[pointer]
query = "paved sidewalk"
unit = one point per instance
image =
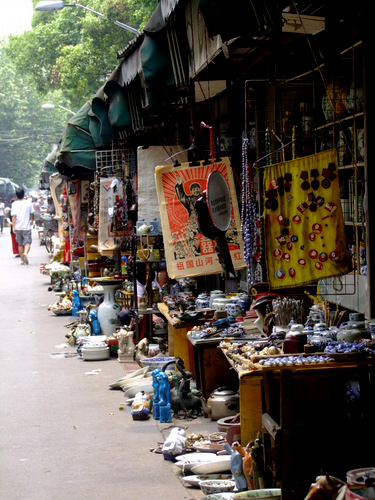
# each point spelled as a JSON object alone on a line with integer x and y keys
{"x": 62, "y": 433}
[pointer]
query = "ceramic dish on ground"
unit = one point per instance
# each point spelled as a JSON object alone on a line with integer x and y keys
{"x": 195, "y": 455}
{"x": 193, "y": 480}
{"x": 220, "y": 496}
{"x": 221, "y": 464}
{"x": 204, "y": 447}
{"x": 217, "y": 437}
{"x": 269, "y": 494}
{"x": 209, "y": 486}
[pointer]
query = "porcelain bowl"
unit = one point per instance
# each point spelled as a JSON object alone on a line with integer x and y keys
{"x": 269, "y": 494}
{"x": 210, "y": 486}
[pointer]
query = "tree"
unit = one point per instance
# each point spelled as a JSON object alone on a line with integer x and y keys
{"x": 26, "y": 131}
{"x": 74, "y": 50}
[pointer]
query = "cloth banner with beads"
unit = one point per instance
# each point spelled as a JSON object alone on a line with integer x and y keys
{"x": 189, "y": 253}
{"x": 303, "y": 222}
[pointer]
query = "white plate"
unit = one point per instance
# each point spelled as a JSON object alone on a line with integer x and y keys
{"x": 132, "y": 391}
{"x": 221, "y": 464}
{"x": 194, "y": 479}
{"x": 195, "y": 454}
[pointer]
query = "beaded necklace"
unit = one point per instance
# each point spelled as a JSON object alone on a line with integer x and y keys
{"x": 250, "y": 224}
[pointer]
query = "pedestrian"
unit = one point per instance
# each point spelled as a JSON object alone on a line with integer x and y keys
{"x": 37, "y": 213}
{"x": 2, "y": 213}
{"x": 22, "y": 219}
{"x": 12, "y": 235}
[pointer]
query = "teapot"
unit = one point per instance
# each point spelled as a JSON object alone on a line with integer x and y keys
{"x": 145, "y": 229}
{"x": 223, "y": 402}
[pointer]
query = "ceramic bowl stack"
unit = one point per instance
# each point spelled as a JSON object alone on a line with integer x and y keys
{"x": 210, "y": 486}
{"x": 95, "y": 351}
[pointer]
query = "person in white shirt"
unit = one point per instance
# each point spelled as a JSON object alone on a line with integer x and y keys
{"x": 2, "y": 208}
{"x": 22, "y": 213}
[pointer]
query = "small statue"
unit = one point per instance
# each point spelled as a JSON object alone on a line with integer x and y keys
{"x": 236, "y": 467}
{"x": 94, "y": 322}
{"x": 126, "y": 347}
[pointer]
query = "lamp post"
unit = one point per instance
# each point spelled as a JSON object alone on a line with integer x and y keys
{"x": 53, "y": 106}
{"x": 52, "y": 5}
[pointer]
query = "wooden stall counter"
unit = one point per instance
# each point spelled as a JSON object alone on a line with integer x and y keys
{"x": 177, "y": 336}
{"x": 312, "y": 411}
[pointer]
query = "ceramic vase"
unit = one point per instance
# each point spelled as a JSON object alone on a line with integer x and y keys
{"x": 108, "y": 309}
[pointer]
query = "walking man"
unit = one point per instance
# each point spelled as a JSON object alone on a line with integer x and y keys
{"x": 2, "y": 213}
{"x": 22, "y": 218}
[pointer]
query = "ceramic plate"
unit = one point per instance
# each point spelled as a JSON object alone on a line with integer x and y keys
{"x": 270, "y": 494}
{"x": 208, "y": 448}
{"x": 194, "y": 479}
{"x": 221, "y": 464}
{"x": 195, "y": 455}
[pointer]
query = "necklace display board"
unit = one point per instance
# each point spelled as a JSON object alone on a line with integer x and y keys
{"x": 303, "y": 226}
{"x": 189, "y": 253}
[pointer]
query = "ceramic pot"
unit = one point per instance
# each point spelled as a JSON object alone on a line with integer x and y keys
{"x": 216, "y": 294}
{"x": 233, "y": 309}
{"x": 245, "y": 302}
{"x": 220, "y": 304}
{"x": 203, "y": 301}
{"x": 153, "y": 350}
{"x": 154, "y": 223}
{"x": 108, "y": 309}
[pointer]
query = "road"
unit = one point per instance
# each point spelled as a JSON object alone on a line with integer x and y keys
{"x": 62, "y": 433}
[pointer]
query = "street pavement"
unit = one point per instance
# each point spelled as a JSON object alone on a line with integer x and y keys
{"x": 63, "y": 435}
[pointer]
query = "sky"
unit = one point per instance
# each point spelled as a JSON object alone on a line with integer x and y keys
{"x": 15, "y": 16}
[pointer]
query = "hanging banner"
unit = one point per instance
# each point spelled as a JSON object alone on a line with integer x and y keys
{"x": 188, "y": 253}
{"x": 111, "y": 190}
{"x": 303, "y": 225}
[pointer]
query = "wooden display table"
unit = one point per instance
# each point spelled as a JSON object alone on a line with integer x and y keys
{"x": 178, "y": 345}
{"x": 211, "y": 367}
{"x": 313, "y": 417}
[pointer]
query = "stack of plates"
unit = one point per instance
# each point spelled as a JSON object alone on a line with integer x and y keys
{"x": 96, "y": 351}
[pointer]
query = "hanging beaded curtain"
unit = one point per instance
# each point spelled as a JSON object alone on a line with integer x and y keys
{"x": 303, "y": 226}
{"x": 250, "y": 222}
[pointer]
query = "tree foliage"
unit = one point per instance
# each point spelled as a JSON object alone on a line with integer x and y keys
{"x": 26, "y": 131}
{"x": 64, "y": 60}
{"x": 74, "y": 50}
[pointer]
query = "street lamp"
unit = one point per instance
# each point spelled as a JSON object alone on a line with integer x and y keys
{"x": 53, "y": 106}
{"x": 51, "y": 5}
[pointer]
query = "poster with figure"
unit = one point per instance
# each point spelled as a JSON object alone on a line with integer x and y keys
{"x": 189, "y": 253}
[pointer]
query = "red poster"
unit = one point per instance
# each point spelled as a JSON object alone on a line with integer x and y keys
{"x": 188, "y": 253}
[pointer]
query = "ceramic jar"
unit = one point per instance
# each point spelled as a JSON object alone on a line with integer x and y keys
{"x": 234, "y": 309}
{"x": 295, "y": 340}
{"x": 220, "y": 304}
{"x": 154, "y": 224}
{"x": 216, "y": 294}
{"x": 108, "y": 309}
{"x": 245, "y": 302}
{"x": 203, "y": 301}
{"x": 153, "y": 350}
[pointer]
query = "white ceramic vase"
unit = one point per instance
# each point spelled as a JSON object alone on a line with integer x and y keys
{"x": 108, "y": 309}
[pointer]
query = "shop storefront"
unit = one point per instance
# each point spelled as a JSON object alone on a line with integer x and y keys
{"x": 234, "y": 155}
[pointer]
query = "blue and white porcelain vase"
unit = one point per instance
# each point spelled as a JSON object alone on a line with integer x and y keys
{"x": 108, "y": 309}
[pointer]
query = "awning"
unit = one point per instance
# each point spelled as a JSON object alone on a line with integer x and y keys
{"x": 76, "y": 156}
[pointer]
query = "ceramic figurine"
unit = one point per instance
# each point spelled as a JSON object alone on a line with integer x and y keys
{"x": 156, "y": 399}
{"x": 247, "y": 463}
{"x": 236, "y": 467}
{"x": 93, "y": 318}
{"x": 164, "y": 398}
{"x": 76, "y": 303}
